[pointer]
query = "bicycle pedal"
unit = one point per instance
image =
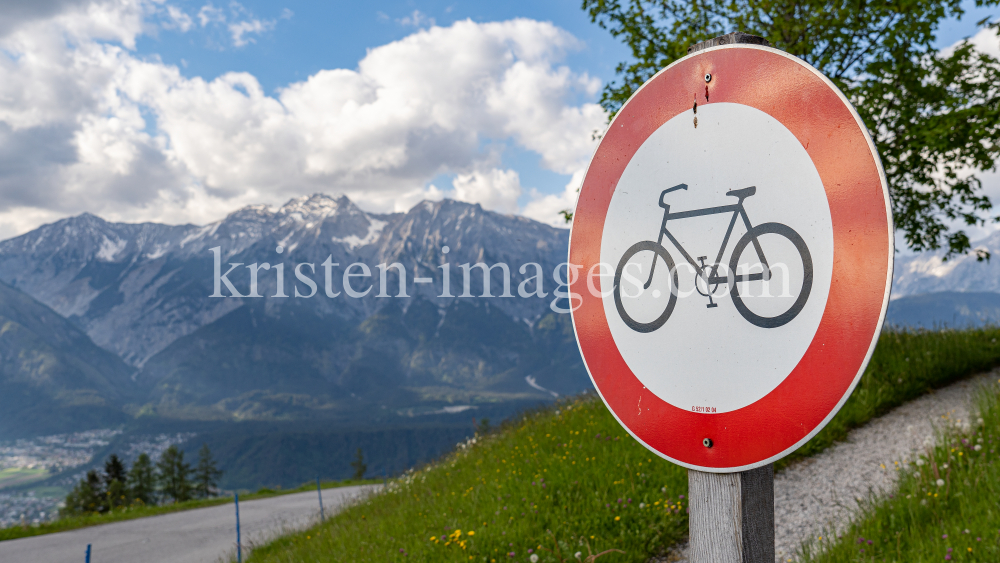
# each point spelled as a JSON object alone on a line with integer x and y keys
{"x": 710, "y": 305}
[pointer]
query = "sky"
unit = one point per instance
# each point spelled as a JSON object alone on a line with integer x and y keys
{"x": 181, "y": 111}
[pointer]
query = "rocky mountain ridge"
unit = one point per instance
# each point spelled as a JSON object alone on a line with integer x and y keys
{"x": 929, "y": 272}
{"x": 52, "y": 377}
{"x": 143, "y": 292}
{"x": 135, "y": 288}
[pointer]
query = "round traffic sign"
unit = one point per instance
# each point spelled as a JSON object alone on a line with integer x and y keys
{"x": 734, "y": 243}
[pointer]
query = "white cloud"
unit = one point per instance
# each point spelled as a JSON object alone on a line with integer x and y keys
{"x": 239, "y": 22}
{"x": 18, "y": 12}
{"x": 987, "y": 41}
{"x": 240, "y": 29}
{"x": 547, "y": 208}
{"x": 493, "y": 189}
{"x": 178, "y": 19}
{"x": 209, "y": 14}
{"x": 74, "y": 134}
{"x": 416, "y": 19}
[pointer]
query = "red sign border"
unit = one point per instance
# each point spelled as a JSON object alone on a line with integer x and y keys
{"x": 835, "y": 137}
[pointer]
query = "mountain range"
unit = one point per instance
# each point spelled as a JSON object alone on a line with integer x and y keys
{"x": 138, "y": 297}
{"x": 114, "y": 324}
{"x": 931, "y": 290}
{"x": 932, "y": 272}
{"x": 52, "y": 374}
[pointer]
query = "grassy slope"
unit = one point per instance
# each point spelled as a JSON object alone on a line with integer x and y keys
{"x": 554, "y": 479}
{"x": 495, "y": 490}
{"x": 73, "y": 522}
{"x": 956, "y": 520}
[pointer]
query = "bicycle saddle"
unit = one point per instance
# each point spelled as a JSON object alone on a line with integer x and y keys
{"x": 744, "y": 193}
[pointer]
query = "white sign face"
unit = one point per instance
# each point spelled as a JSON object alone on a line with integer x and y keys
{"x": 712, "y": 349}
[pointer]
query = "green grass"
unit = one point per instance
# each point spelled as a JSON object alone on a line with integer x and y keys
{"x": 494, "y": 488}
{"x": 50, "y": 491}
{"x": 559, "y": 480}
{"x": 19, "y": 476}
{"x": 946, "y": 507}
{"x": 907, "y": 364}
{"x": 140, "y": 511}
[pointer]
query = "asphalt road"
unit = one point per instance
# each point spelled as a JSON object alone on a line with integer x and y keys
{"x": 205, "y": 535}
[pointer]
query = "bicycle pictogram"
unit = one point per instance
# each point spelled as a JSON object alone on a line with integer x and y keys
{"x": 707, "y": 274}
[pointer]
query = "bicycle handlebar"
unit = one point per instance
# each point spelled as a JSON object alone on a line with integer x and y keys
{"x": 663, "y": 203}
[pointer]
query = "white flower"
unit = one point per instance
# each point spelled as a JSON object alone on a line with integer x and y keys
{"x": 920, "y": 462}
{"x": 533, "y": 558}
{"x": 663, "y": 490}
{"x": 578, "y": 555}
{"x": 945, "y": 466}
{"x": 979, "y": 421}
{"x": 642, "y": 505}
{"x": 928, "y": 442}
{"x": 978, "y": 447}
{"x": 940, "y": 482}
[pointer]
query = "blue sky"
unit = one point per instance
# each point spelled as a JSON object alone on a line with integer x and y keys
{"x": 184, "y": 110}
{"x": 320, "y": 35}
{"x": 324, "y": 35}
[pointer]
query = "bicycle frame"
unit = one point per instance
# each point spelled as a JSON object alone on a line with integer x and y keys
{"x": 738, "y": 211}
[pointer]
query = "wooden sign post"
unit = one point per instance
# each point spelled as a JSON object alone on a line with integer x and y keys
{"x": 734, "y": 242}
{"x": 731, "y": 516}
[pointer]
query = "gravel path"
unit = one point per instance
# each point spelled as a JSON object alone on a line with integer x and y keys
{"x": 821, "y": 493}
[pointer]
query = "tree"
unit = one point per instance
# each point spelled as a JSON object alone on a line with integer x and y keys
{"x": 115, "y": 478}
{"x": 934, "y": 114}
{"x": 142, "y": 480}
{"x": 174, "y": 475}
{"x": 87, "y": 496}
{"x": 114, "y": 470}
{"x": 206, "y": 474}
{"x": 359, "y": 465}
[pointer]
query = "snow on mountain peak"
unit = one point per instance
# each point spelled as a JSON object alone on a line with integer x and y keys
{"x": 109, "y": 249}
{"x": 317, "y": 207}
{"x": 929, "y": 272}
{"x": 353, "y": 241}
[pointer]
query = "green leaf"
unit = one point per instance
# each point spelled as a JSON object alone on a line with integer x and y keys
{"x": 934, "y": 116}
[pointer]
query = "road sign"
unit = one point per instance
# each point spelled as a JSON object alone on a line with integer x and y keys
{"x": 736, "y": 243}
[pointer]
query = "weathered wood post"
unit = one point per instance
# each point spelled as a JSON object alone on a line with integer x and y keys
{"x": 732, "y": 516}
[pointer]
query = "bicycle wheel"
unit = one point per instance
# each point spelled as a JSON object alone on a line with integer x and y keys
{"x": 799, "y": 302}
{"x": 658, "y": 250}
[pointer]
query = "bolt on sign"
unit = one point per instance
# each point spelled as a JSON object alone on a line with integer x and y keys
{"x": 736, "y": 243}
